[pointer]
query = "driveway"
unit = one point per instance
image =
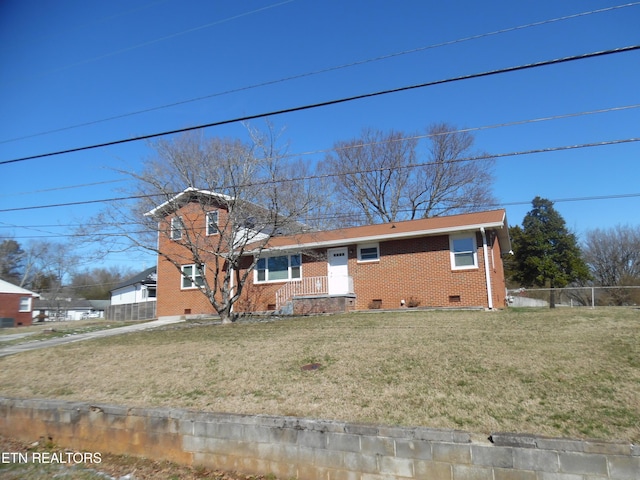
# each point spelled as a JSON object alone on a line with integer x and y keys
{"x": 53, "y": 342}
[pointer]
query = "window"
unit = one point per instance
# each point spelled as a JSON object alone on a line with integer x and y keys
{"x": 368, "y": 253}
{"x": 212, "y": 222}
{"x": 192, "y": 276}
{"x": 176, "y": 228}
{"x": 281, "y": 268}
{"x": 463, "y": 251}
{"x": 25, "y": 304}
{"x": 148, "y": 292}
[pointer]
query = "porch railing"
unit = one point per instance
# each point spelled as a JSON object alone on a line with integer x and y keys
{"x": 304, "y": 286}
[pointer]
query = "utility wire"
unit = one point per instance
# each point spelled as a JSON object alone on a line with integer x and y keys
{"x": 326, "y": 70}
{"x": 328, "y": 175}
{"x": 366, "y": 144}
{"x": 466, "y": 130}
{"x": 161, "y": 39}
{"x": 68, "y": 187}
{"x": 337, "y": 216}
{"x": 333, "y": 102}
{"x": 67, "y": 30}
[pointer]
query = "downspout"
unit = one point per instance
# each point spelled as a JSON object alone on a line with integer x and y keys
{"x": 486, "y": 267}
{"x": 231, "y": 286}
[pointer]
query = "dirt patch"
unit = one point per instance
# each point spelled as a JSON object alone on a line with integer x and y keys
{"x": 110, "y": 467}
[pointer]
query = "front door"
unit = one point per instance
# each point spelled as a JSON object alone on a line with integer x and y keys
{"x": 338, "y": 270}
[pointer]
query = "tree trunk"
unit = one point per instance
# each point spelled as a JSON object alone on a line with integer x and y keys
{"x": 226, "y": 315}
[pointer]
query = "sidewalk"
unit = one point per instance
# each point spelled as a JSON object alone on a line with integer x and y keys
{"x": 25, "y": 347}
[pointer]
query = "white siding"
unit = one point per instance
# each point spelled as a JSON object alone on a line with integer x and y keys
{"x": 130, "y": 294}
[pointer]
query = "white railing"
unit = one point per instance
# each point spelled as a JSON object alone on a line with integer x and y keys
{"x": 304, "y": 286}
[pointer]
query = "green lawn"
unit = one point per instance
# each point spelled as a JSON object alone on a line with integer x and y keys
{"x": 562, "y": 372}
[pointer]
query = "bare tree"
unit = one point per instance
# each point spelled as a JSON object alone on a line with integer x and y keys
{"x": 448, "y": 184}
{"x": 97, "y": 283}
{"x": 383, "y": 176}
{"x": 613, "y": 255}
{"x": 370, "y": 173}
{"x": 246, "y": 184}
{"x": 50, "y": 265}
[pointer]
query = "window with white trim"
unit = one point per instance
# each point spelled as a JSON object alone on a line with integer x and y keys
{"x": 279, "y": 268}
{"x": 464, "y": 251}
{"x": 25, "y": 304}
{"x": 176, "y": 228}
{"x": 212, "y": 222}
{"x": 192, "y": 276}
{"x": 369, "y": 252}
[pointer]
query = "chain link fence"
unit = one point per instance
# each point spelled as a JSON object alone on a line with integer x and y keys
{"x": 131, "y": 311}
{"x": 575, "y": 297}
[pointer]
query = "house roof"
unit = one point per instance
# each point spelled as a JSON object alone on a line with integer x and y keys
{"x": 183, "y": 198}
{"x": 147, "y": 276}
{"x": 494, "y": 220}
{"x": 71, "y": 304}
{"x": 6, "y": 287}
{"x": 191, "y": 193}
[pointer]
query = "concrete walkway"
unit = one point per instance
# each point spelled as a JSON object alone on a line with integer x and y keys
{"x": 53, "y": 342}
{"x": 15, "y": 336}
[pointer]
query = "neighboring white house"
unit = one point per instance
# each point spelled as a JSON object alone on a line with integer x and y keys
{"x": 68, "y": 309}
{"x": 135, "y": 298}
{"x": 137, "y": 289}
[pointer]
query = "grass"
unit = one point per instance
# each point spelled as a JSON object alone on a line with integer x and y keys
{"x": 562, "y": 372}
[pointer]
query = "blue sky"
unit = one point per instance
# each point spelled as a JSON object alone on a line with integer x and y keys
{"x": 73, "y": 62}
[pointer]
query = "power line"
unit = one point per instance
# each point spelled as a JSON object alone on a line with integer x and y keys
{"x": 333, "y": 102}
{"x": 351, "y": 215}
{"x": 413, "y": 137}
{"x": 327, "y": 70}
{"x": 68, "y": 187}
{"x": 66, "y": 30}
{"x": 472, "y": 129}
{"x": 328, "y": 175}
{"x": 157, "y": 40}
{"x": 81, "y": 202}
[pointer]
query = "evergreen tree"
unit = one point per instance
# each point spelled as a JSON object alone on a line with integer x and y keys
{"x": 546, "y": 253}
{"x": 11, "y": 261}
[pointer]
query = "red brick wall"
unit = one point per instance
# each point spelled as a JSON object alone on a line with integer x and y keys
{"x": 10, "y": 306}
{"x": 171, "y": 298}
{"x": 418, "y": 269}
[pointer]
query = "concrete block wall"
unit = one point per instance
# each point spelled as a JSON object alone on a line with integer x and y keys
{"x": 323, "y": 304}
{"x": 314, "y": 449}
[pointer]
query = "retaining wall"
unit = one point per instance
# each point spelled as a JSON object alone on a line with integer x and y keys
{"x": 313, "y": 449}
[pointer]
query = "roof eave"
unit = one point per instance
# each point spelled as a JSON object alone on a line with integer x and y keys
{"x": 389, "y": 236}
{"x": 170, "y": 204}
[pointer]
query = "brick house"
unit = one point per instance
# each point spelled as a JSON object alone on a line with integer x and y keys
{"x": 16, "y": 305}
{"x": 452, "y": 261}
